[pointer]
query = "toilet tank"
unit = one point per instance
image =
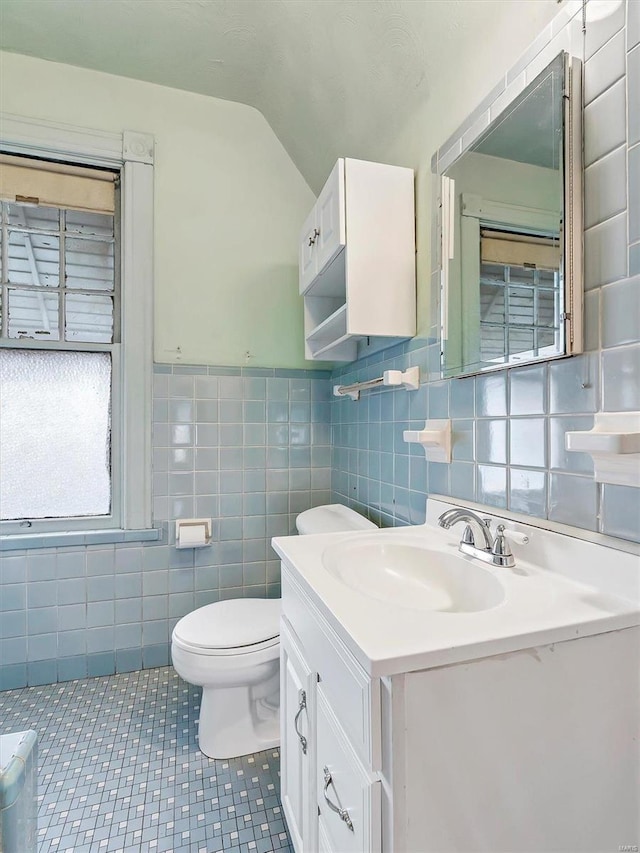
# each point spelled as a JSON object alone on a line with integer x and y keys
{"x": 331, "y": 518}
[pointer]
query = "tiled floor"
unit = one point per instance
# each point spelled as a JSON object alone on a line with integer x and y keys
{"x": 120, "y": 771}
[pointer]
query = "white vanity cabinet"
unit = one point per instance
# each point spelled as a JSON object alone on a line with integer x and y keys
{"x": 357, "y": 259}
{"x": 533, "y": 749}
{"x": 297, "y": 741}
{"x": 348, "y": 793}
{"x": 331, "y": 794}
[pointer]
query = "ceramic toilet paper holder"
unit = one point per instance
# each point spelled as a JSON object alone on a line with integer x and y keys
{"x": 193, "y": 532}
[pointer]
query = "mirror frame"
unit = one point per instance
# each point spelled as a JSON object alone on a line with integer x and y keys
{"x": 572, "y": 222}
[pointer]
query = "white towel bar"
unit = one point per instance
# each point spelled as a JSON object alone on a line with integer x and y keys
{"x": 409, "y": 379}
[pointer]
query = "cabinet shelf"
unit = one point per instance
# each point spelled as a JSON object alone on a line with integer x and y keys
{"x": 334, "y": 327}
{"x": 332, "y": 281}
{"x": 343, "y": 348}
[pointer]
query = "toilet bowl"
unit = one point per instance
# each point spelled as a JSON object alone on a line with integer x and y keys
{"x": 232, "y": 650}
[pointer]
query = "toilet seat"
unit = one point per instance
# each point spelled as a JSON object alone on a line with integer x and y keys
{"x": 235, "y": 651}
{"x": 236, "y": 627}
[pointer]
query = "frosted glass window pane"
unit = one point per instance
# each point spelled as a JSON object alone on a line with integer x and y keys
{"x": 546, "y": 308}
{"x": 521, "y": 306}
{"x": 54, "y": 434}
{"x": 33, "y": 259}
{"x": 546, "y": 338}
{"x": 31, "y": 216}
{"x": 89, "y": 223}
{"x": 520, "y": 340}
{"x": 89, "y": 263}
{"x": 491, "y": 302}
{"x": 89, "y": 317}
{"x": 33, "y": 314}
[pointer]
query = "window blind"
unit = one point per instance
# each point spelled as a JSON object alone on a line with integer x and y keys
{"x": 522, "y": 250}
{"x": 56, "y": 184}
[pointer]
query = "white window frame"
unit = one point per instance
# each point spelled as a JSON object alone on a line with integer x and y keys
{"x": 131, "y": 153}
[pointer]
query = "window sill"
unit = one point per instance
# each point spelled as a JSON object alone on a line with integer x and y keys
{"x": 20, "y": 542}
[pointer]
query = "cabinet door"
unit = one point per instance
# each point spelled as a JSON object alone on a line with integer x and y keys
{"x": 297, "y": 743}
{"x": 325, "y": 845}
{"x": 349, "y": 798}
{"x": 307, "y": 251}
{"x": 330, "y": 209}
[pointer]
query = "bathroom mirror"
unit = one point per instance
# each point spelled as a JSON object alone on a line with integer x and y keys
{"x": 511, "y": 232}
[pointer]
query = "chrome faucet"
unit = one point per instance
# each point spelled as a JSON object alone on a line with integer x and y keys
{"x": 495, "y": 551}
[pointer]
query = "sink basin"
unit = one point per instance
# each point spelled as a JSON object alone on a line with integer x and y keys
{"x": 407, "y": 574}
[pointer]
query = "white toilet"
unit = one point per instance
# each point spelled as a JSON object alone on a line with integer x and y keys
{"x": 232, "y": 650}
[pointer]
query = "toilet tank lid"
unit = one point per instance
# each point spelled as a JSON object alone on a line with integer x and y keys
{"x": 332, "y": 518}
{"x": 231, "y": 624}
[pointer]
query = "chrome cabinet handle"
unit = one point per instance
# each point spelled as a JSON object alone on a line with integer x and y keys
{"x": 301, "y": 707}
{"x": 342, "y": 813}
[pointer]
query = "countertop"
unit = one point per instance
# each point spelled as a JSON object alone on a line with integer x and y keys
{"x": 561, "y": 588}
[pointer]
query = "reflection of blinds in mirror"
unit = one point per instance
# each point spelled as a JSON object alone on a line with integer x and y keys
{"x": 522, "y": 250}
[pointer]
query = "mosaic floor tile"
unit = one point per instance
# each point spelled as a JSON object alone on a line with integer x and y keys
{"x": 120, "y": 771}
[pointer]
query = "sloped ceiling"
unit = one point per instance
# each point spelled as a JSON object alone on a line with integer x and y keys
{"x": 328, "y": 75}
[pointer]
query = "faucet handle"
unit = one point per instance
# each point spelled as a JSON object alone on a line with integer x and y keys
{"x": 487, "y": 521}
{"x": 467, "y": 536}
{"x": 501, "y": 547}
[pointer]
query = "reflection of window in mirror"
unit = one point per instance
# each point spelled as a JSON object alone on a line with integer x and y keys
{"x": 520, "y": 296}
{"x": 511, "y": 219}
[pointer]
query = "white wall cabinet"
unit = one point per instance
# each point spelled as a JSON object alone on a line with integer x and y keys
{"x": 502, "y": 754}
{"x": 357, "y": 260}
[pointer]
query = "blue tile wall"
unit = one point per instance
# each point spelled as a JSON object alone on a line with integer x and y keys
{"x": 509, "y": 427}
{"x": 248, "y": 448}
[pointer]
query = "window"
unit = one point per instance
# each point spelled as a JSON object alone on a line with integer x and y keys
{"x": 58, "y": 285}
{"x": 75, "y": 318}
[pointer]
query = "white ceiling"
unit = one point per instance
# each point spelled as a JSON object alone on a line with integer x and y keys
{"x": 328, "y": 75}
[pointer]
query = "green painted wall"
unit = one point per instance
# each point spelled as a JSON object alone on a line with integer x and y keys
{"x": 229, "y": 203}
